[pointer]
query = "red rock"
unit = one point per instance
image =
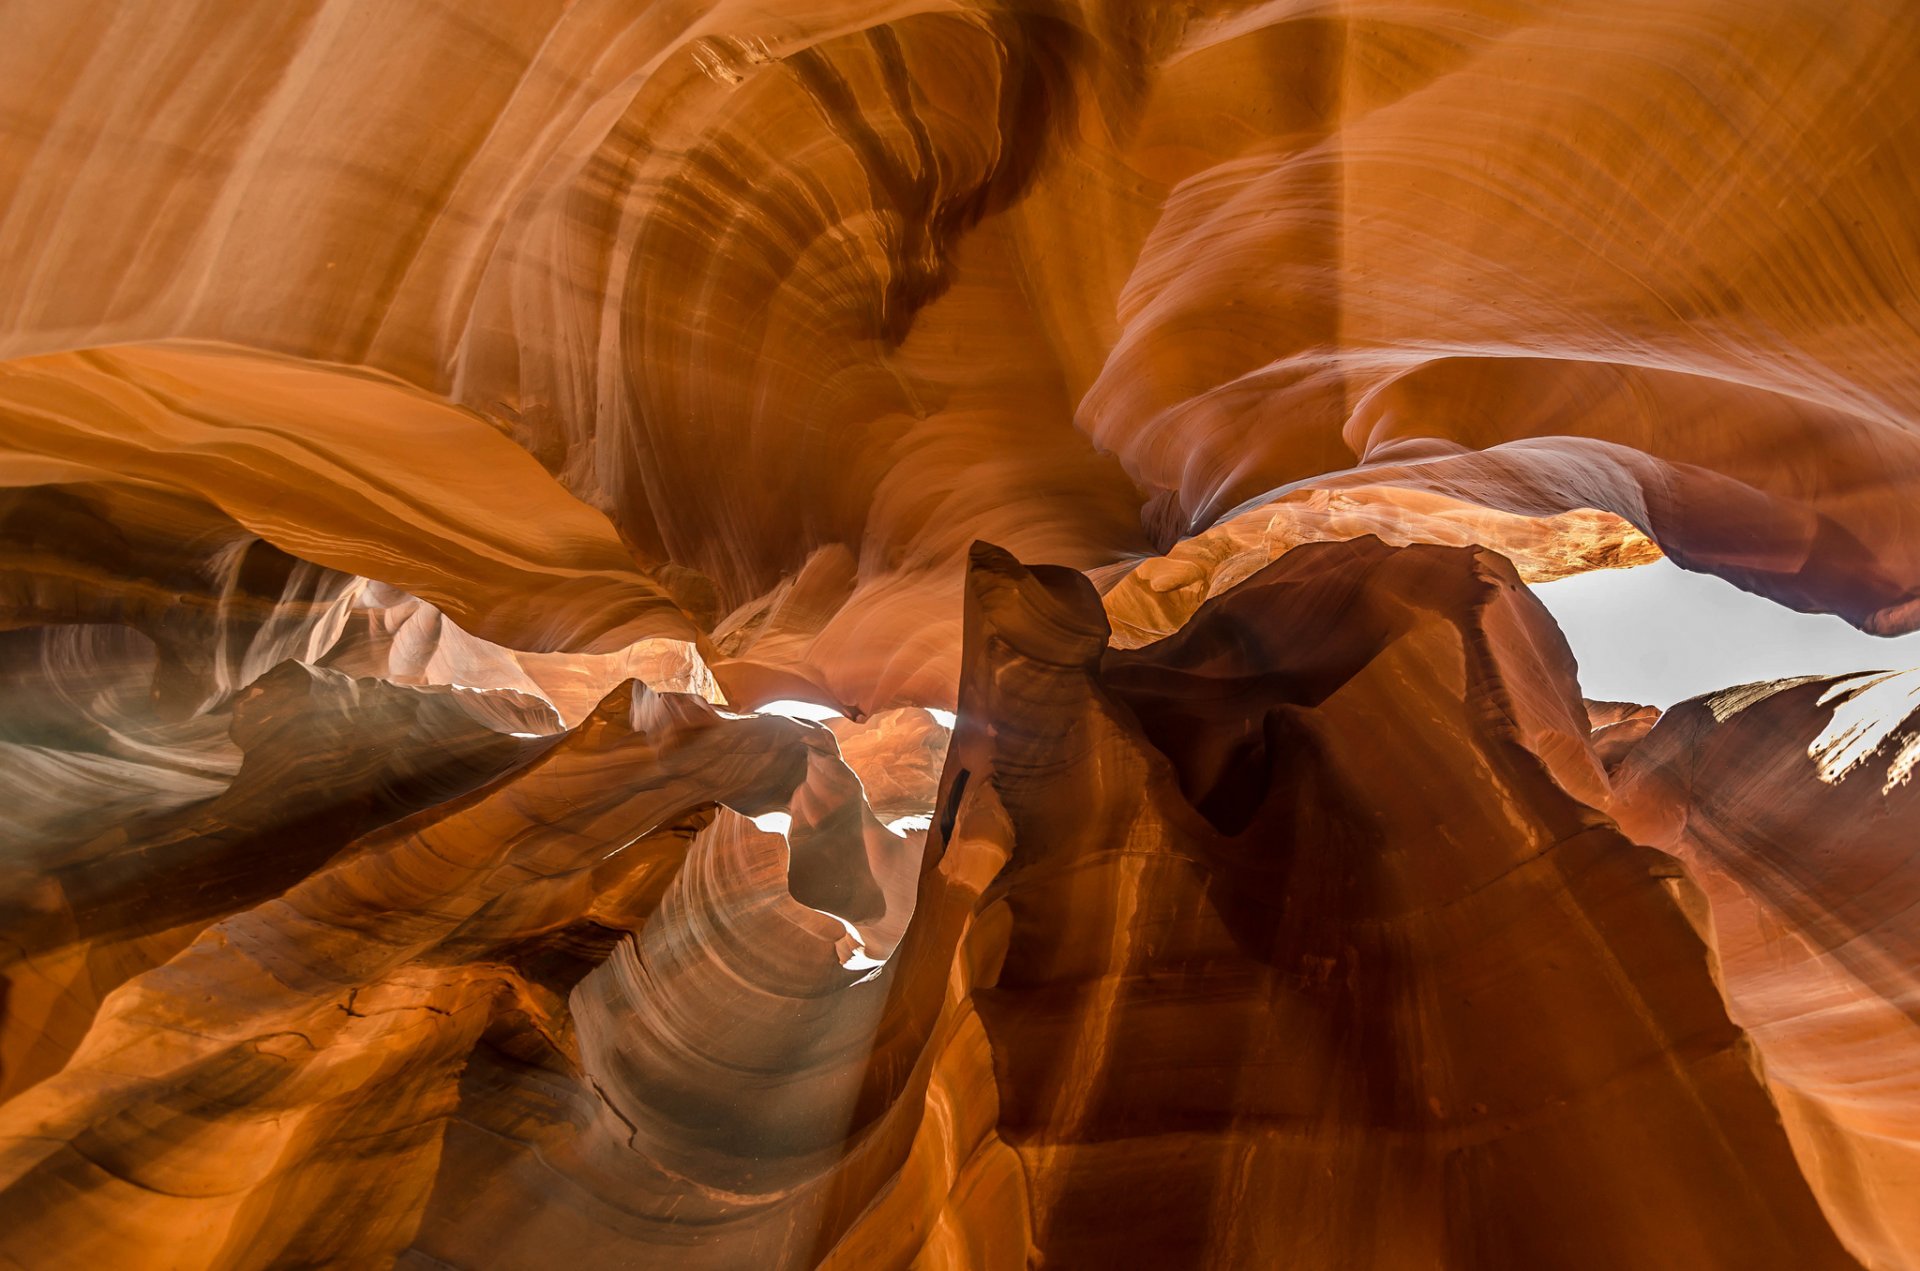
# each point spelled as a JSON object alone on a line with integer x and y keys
{"x": 425, "y": 431}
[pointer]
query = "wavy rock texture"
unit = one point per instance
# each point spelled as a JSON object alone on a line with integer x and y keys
{"x": 1791, "y": 806}
{"x": 427, "y": 431}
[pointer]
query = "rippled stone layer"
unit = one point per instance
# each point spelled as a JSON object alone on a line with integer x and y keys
{"x": 427, "y": 431}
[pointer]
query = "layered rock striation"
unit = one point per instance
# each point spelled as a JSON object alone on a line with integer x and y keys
{"x": 429, "y": 433}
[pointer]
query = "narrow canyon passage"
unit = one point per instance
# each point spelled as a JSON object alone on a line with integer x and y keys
{"x": 964, "y": 635}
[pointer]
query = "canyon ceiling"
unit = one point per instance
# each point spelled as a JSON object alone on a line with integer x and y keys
{"x": 429, "y": 430}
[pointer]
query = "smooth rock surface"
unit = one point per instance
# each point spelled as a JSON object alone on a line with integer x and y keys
{"x": 428, "y": 432}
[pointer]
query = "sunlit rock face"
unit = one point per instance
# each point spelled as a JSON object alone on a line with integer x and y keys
{"x": 429, "y": 432}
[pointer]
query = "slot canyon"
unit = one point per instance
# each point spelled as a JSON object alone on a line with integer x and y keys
{"x": 756, "y": 635}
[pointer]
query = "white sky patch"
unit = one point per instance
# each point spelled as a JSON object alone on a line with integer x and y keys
{"x": 1659, "y": 635}
{"x": 773, "y": 822}
{"x": 1866, "y": 713}
{"x": 856, "y": 957}
{"x": 946, "y": 719}
{"x": 1900, "y": 771}
{"x": 901, "y": 824}
{"x": 793, "y": 709}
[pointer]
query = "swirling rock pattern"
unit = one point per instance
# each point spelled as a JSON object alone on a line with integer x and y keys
{"x": 428, "y": 430}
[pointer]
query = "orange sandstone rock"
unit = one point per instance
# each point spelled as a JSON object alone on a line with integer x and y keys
{"x": 428, "y": 431}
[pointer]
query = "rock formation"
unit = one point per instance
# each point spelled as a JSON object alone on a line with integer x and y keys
{"x": 429, "y": 432}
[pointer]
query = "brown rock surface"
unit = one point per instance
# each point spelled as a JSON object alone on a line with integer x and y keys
{"x": 1791, "y": 805}
{"x": 426, "y": 429}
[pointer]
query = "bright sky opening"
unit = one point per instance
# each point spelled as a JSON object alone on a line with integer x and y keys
{"x": 1659, "y": 635}
{"x": 799, "y": 710}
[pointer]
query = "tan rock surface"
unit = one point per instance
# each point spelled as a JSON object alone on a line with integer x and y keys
{"x": 428, "y": 430}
